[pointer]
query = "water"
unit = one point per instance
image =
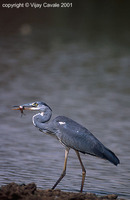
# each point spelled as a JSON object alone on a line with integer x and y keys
{"x": 85, "y": 83}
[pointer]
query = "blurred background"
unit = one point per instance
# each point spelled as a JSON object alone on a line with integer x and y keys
{"x": 77, "y": 60}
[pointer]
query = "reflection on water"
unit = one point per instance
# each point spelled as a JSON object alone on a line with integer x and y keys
{"x": 87, "y": 84}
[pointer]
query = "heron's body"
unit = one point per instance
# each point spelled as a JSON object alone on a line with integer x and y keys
{"x": 75, "y": 136}
{"x": 71, "y": 135}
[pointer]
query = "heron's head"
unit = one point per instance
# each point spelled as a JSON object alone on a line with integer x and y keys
{"x": 35, "y": 106}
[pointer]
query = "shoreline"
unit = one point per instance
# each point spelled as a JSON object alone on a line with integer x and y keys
{"x": 14, "y": 191}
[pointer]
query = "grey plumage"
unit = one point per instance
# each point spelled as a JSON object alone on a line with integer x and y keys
{"x": 70, "y": 134}
{"x": 77, "y": 137}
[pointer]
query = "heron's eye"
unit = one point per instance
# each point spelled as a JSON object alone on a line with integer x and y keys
{"x": 35, "y": 104}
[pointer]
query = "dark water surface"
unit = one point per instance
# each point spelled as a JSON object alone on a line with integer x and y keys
{"x": 88, "y": 84}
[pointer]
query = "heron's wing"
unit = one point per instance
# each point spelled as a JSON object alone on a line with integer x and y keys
{"x": 74, "y": 135}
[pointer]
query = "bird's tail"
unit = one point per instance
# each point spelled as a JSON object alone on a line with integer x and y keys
{"x": 109, "y": 155}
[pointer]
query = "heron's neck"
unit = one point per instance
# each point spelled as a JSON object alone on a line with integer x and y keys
{"x": 46, "y": 115}
{"x": 40, "y": 118}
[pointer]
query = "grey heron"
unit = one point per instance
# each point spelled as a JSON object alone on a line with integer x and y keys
{"x": 70, "y": 134}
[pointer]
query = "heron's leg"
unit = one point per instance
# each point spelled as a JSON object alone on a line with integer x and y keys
{"x": 83, "y": 171}
{"x": 64, "y": 169}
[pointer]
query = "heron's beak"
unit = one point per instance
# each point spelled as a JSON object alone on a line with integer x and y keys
{"x": 25, "y": 107}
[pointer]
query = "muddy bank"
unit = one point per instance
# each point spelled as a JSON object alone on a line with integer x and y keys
{"x": 14, "y": 191}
